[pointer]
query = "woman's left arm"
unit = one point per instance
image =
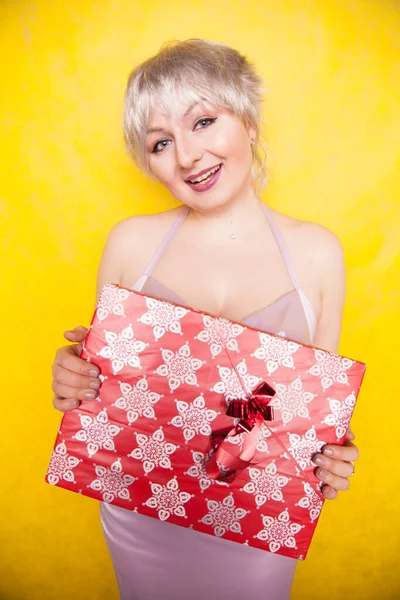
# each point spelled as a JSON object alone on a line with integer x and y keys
{"x": 334, "y": 463}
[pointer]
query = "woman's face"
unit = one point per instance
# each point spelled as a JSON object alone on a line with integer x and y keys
{"x": 207, "y": 143}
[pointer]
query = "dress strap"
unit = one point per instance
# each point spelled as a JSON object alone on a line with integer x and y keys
{"x": 287, "y": 259}
{"x": 167, "y": 239}
{"x": 306, "y": 304}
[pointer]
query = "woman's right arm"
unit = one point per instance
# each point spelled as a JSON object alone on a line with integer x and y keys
{"x": 74, "y": 379}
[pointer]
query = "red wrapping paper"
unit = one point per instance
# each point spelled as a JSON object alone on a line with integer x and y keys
{"x": 159, "y": 427}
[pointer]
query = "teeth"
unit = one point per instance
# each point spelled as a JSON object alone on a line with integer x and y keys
{"x": 205, "y": 176}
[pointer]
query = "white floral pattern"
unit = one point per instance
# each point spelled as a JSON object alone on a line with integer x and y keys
{"x": 97, "y": 432}
{"x": 276, "y": 352}
{"x": 122, "y": 349}
{"x": 266, "y": 484}
{"x": 279, "y": 531}
{"x": 194, "y": 418}
{"x": 112, "y": 482}
{"x": 330, "y": 368}
{"x": 231, "y": 386}
{"x": 137, "y": 400}
{"x": 224, "y": 469}
{"x": 340, "y": 414}
{"x": 179, "y": 367}
{"x": 199, "y": 471}
{"x": 302, "y": 448}
{"x": 219, "y": 333}
{"x": 311, "y": 501}
{"x": 111, "y": 301}
{"x": 265, "y": 433}
{"x": 238, "y": 439}
{"x": 61, "y": 465}
{"x": 168, "y": 500}
{"x": 224, "y": 516}
{"x": 153, "y": 451}
{"x": 163, "y": 317}
{"x": 291, "y": 400}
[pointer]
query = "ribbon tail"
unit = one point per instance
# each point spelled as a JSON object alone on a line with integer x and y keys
{"x": 228, "y": 460}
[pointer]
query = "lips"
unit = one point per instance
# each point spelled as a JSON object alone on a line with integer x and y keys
{"x": 192, "y": 178}
{"x": 207, "y": 183}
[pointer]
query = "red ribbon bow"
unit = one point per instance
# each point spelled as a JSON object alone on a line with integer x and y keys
{"x": 225, "y": 464}
{"x": 256, "y": 406}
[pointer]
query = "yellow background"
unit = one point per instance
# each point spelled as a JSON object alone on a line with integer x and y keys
{"x": 332, "y": 72}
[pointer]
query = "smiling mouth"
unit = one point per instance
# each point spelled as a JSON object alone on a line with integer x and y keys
{"x": 206, "y": 176}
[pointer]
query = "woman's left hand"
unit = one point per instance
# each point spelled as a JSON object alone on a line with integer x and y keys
{"x": 335, "y": 466}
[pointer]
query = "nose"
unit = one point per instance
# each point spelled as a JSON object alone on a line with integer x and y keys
{"x": 188, "y": 152}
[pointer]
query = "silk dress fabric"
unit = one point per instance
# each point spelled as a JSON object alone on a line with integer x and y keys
{"x": 158, "y": 560}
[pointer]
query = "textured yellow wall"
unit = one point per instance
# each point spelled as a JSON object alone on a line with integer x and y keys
{"x": 332, "y": 70}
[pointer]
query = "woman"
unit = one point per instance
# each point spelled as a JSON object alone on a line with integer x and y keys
{"x": 192, "y": 122}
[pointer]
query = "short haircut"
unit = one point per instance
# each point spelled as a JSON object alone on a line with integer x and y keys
{"x": 189, "y": 71}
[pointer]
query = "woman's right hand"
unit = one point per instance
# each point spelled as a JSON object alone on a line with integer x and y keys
{"x": 74, "y": 378}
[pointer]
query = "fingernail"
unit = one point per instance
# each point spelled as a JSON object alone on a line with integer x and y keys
{"x": 93, "y": 373}
{"x": 322, "y": 474}
{"x": 90, "y": 395}
{"x": 74, "y": 404}
{"x": 319, "y": 460}
{"x": 329, "y": 493}
{"x": 95, "y": 384}
{"x": 328, "y": 451}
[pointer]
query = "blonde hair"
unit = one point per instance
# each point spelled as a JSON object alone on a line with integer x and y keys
{"x": 186, "y": 72}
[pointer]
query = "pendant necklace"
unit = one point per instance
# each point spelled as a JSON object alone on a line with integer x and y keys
{"x": 233, "y": 235}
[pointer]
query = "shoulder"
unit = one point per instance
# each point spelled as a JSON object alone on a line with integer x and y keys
{"x": 315, "y": 244}
{"x": 139, "y": 235}
{"x": 137, "y": 228}
{"x": 131, "y": 243}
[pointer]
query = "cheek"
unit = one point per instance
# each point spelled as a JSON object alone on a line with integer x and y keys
{"x": 233, "y": 145}
{"x": 162, "y": 169}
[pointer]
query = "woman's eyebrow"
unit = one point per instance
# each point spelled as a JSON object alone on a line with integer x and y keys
{"x": 154, "y": 129}
{"x": 191, "y": 107}
{"x": 187, "y": 112}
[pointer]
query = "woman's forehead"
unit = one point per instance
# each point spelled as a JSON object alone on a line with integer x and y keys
{"x": 183, "y": 110}
{"x": 180, "y": 109}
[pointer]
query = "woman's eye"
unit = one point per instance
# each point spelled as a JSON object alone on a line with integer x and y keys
{"x": 158, "y": 146}
{"x": 205, "y": 122}
{"x": 200, "y": 124}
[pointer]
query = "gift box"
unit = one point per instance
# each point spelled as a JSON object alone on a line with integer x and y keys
{"x": 204, "y": 422}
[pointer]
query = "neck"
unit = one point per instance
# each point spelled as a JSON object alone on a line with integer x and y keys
{"x": 239, "y": 216}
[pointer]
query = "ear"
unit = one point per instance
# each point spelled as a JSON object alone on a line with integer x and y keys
{"x": 252, "y": 133}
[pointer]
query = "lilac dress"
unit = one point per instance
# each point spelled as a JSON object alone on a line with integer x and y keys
{"x": 157, "y": 560}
